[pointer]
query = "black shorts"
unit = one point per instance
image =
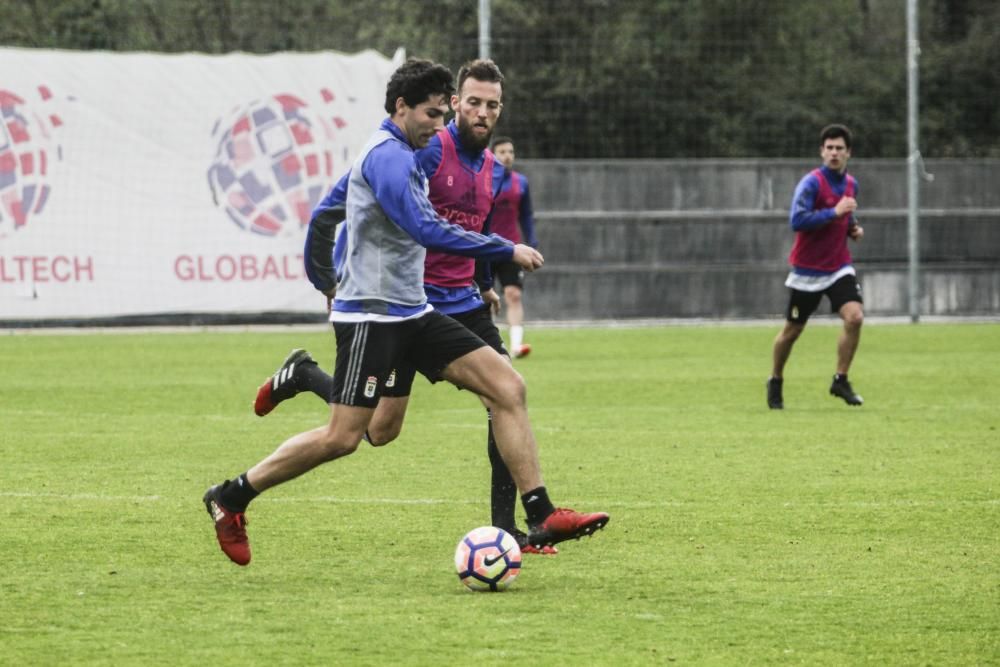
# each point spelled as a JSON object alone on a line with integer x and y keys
{"x": 802, "y": 304}
{"x": 368, "y": 352}
{"x": 508, "y": 274}
{"x": 478, "y": 321}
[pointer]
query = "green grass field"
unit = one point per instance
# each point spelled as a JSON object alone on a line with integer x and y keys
{"x": 820, "y": 535}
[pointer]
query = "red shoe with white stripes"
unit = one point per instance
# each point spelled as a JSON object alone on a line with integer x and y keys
{"x": 230, "y": 527}
{"x": 280, "y": 386}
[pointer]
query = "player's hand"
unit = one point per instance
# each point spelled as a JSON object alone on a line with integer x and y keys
{"x": 491, "y": 299}
{"x": 330, "y": 294}
{"x": 527, "y": 257}
{"x": 856, "y": 232}
{"x": 845, "y": 205}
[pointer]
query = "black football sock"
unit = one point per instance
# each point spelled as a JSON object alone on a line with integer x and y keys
{"x": 237, "y": 494}
{"x": 537, "y": 505}
{"x": 503, "y": 490}
{"x": 310, "y": 377}
{"x": 838, "y": 377}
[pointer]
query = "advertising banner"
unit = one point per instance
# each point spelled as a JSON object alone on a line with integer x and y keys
{"x": 140, "y": 183}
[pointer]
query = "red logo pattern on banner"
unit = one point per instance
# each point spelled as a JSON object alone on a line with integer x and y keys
{"x": 274, "y": 161}
{"x": 27, "y": 150}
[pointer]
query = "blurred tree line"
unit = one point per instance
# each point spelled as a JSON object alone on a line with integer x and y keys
{"x": 619, "y": 78}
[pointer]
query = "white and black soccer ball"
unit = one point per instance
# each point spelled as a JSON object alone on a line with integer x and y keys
{"x": 487, "y": 559}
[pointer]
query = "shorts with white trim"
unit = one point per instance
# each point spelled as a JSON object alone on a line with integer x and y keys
{"x": 479, "y": 321}
{"x": 802, "y": 304}
{"x": 368, "y": 352}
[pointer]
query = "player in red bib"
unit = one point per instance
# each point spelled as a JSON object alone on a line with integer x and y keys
{"x": 822, "y": 216}
{"x": 513, "y": 219}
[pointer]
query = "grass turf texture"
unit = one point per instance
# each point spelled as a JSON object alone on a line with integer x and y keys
{"x": 818, "y": 535}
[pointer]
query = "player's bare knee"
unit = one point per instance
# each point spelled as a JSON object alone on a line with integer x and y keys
{"x": 336, "y": 445}
{"x": 854, "y": 319}
{"x": 381, "y": 436}
{"x": 791, "y": 332}
{"x": 510, "y": 390}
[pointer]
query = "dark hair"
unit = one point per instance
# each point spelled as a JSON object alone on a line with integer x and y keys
{"x": 416, "y": 81}
{"x": 835, "y": 132}
{"x": 500, "y": 140}
{"x": 480, "y": 70}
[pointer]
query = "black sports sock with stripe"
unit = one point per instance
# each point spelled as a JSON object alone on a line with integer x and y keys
{"x": 537, "y": 505}
{"x": 503, "y": 490}
{"x": 237, "y": 494}
{"x": 310, "y": 377}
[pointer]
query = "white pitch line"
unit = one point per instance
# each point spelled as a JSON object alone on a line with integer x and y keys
{"x": 79, "y": 496}
{"x": 375, "y": 501}
{"x": 32, "y": 495}
{"x": 635, "y": 505}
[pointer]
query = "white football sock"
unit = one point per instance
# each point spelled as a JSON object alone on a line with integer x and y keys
{"x": 516, "y": 336}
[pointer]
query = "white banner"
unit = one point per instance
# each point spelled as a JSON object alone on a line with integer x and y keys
{"x": 139, "y": 183}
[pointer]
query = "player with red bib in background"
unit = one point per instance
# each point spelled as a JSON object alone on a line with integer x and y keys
{"x": 822, "y": 216}
{"x": 513, "y": 219}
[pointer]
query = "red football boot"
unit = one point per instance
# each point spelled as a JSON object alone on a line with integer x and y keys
{"x": 526, "y": 548}
{"x": 280, "y": 386}
{"x": 544, "y": 550}
{"x": 565, "y": 524}
{"x": 230, "y": 527}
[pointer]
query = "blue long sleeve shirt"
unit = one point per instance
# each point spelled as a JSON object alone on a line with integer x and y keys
{"x": 332, "y": 210}
{"x": 802, "y": 215}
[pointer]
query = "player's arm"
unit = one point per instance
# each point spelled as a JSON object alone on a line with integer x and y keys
{"x": 484, "y": 268}
{"x": 318, "y": 254}
{"x": 526, "y": 215}
{"x": 483, "y": 275}
{"x": 399, "y": 187}
{"x": 491, "y": 299}
{"x": 854, "y": 229}
{"x": 801, "y": 215}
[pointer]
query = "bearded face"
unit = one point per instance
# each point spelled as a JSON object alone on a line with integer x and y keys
{"x": 475, "y": 136}
{"x": 477, "y": 109}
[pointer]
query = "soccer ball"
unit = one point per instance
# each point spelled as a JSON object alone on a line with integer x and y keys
{"x": 488, "y": 559}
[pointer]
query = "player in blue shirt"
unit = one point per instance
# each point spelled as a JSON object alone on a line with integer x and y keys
{"x": 822, "y": 215}
{"x": 382, "y": 320}
{"x": 464, "y": 181}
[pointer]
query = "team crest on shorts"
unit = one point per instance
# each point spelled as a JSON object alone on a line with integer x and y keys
{"x": 370, "y": 386}
{"x": 391, "y": 382}
{"x": 795, "y": 312}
